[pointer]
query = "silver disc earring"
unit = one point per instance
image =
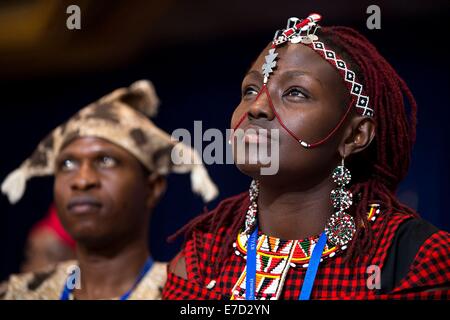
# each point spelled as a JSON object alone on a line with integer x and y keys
{"x": 340, "y": 227}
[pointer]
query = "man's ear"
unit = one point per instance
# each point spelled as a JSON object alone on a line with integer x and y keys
{"x": 358, "y": 136}
{"x": 157, "y": 185}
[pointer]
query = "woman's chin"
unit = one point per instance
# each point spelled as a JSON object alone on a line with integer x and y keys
{"x": 254, "y": 171}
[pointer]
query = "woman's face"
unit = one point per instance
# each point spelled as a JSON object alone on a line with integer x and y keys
{"x": 310, "y": 97}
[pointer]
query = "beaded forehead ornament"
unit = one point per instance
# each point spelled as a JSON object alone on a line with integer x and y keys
{"x": 303, "y": 31}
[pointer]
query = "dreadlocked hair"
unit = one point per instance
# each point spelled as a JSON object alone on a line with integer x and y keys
{"x": 377, "y": 171}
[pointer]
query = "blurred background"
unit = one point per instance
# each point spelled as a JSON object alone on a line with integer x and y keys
{"x": 196, "y": 53}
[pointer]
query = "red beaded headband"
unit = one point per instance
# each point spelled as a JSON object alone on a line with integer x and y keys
{"x": 303, "y": 31}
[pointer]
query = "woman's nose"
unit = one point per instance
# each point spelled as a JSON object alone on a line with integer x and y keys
{"x": 262, "y": 106}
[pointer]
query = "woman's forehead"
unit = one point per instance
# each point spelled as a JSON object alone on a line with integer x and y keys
{"x": 297, "y": 57}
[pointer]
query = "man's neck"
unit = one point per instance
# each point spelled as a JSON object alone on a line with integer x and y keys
{"x": 106, "y": 274}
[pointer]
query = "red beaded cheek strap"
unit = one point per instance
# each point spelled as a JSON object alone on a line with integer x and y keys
{"x": 303, "y": 31}
{"x": 292, "y": 134}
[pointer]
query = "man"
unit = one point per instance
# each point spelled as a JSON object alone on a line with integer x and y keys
{"x": 109, "y": 162}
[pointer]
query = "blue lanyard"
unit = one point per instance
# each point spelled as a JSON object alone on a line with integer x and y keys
{"x": 250, "y": 279}
{"x": 147, "y": 266}
{"x": 308, "y": 283}
{"x": 313, "y": 266}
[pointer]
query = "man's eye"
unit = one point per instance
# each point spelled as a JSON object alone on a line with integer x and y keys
{"x": 67, "y": 165}
{"x": 107, "y": 162}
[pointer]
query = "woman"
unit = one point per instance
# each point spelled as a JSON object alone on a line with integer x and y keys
{"x": 337, "y": 106}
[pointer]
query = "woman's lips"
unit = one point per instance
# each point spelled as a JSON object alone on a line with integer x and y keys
{"x": 250, "y": 137}
{"x": 83, "y": 205}
{"x": 256, "y": 134}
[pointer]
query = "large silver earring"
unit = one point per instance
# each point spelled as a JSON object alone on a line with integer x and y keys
{"x": 341, "y": 226}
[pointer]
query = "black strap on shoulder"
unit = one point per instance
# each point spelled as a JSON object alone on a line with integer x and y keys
{"x": 407, "y": 241}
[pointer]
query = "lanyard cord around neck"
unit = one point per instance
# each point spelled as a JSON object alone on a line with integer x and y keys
{"x": 308, "y": 283}
{"x": 65, "y": 294}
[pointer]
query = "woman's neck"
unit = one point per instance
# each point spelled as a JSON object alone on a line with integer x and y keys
{"x": 292, "y": 214}
{"x": 106, "y": 274}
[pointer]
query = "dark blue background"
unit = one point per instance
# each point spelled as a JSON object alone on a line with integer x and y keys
{"x": 200, "y": 80}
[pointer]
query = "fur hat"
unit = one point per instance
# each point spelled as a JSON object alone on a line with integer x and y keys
{"x": 120, "y": 117}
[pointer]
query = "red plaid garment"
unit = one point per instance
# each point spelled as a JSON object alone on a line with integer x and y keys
{"x": 427, "y": 278}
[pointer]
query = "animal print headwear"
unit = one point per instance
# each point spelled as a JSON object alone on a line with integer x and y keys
{"x": 120, "y": 117}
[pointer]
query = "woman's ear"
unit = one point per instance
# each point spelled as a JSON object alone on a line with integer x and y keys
{"x": 358, "y": 136}
{"x": 157, "y": 185}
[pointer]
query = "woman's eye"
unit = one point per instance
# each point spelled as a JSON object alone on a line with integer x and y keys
{"x": 67, "y": 165}
{"x": 294, "y": 92}
{"x": 249, "y": 91}
{"x": 107, "y": 162}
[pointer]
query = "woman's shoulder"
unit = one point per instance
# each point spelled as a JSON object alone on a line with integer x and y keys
{"x": 414, "y": 254}
{"x": 429, "y": 260}
{"x": 405, "y": 233}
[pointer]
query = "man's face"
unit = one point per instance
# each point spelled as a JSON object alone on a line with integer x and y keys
{"x": 101, "y": 191}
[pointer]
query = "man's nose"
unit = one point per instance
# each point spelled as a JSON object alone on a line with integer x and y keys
{"x": 85, "y": 178}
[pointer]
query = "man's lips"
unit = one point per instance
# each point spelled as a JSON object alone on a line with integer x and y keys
{"x": 83, "y": 204}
